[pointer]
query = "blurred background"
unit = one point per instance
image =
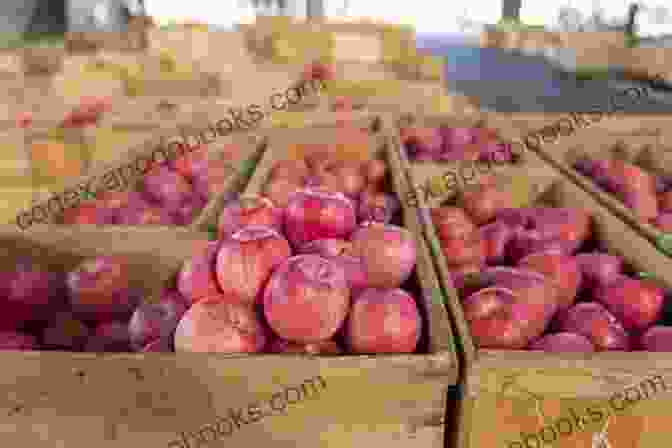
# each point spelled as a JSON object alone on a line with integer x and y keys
{"x": 535, "y": 76}
{"x": 163, "y": 61}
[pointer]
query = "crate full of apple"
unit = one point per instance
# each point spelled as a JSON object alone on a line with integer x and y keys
{"x": 627, "y": 171}
{"x": 153, "y": 187}
{"x": 465, "y": 140}
{"x": 645, "y": 193}
{"x": 304, "y": 249}
{"x": 321, "y": 284}
{"x": 547, "y": 287}
{"x": 535, "y": 278}
{"x": 169, "y": 194}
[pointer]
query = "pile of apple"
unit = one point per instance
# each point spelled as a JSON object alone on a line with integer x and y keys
{"x": 313, "y": 266}
{"x": 647, "y": 195}
{"x": 309, "y": 277}
{"x": 88, "y": 112}
{"x": 87, "y": 309}
{"x": 536, "y": 278}
{"x": 171, "y": 194}
{"x": 449, "y": 144}
{"x": 316, "y": 266}
{"x": 304, "y": 278}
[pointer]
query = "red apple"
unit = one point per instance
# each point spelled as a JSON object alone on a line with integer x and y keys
{"x": 109, "y": 337}
{"x": 664, "y": 222}
{"x": 570, "y": 225}
{"x": 190, "y": 163}
{"x": 530, "y": 285}
{"x": 452, "y": 223}
{"x": 564, "y": 342}
{"x": 665, "y": 201}
{"x": 196, "y": 279}
{"x": 636, "y": 303}
{"x": 100, "y": 289}
{"x": 342, "y": 103}
{"x": 293, "y": 170}
{"x": 214, "y": 326}
{"x": 643, "y": 203}
{"x": 632, "y": 177}
{"x": 24, "y": 120}
{"x": 483, "y": 204}
{"x": 561, "y": 269}
{"x": 89, "y": 212}
{"x": 593, "y": 321}
{"x": 468, "y": 250}
{"x": 318, "y": 70}
{"x": 497, "y": 236}
{"x": 499, "y": 318}
{"x": 657, "y": 339}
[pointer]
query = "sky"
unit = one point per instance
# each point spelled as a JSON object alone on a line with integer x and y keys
{"x": 426, "y": 15}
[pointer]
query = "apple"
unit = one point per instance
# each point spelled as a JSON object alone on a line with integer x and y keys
{"x": 595, "y": 322}
{"x": 452, "y": 223}
{"x": 636, "y": 303}
{"x": 483, "y": 203}
{"x": 499, "y": 318}
{"x": 561, "y": 269}
{"x": 468, "y": 250}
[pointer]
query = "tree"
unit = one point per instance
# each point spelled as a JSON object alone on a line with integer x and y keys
{"x": 511, "y": 9}
{"x": 268, "y": 4}
{"x": 570, "y": 19}
{"x": 49, "y": 16}
{"x": 315, "y": 8}
{"x": 630, "y": 25}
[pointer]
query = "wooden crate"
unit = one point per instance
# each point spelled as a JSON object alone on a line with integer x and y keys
{"x": 127, "y": 170}
{"x": 651, "y": 62}
{"x": 13, "y": 102}
{"x": 356, "y": 46}
{"x": 132, "y": 121}
{"x": 386, "y": 418}
{"x": 646, "y": 137}
{"x": 85, "y": 42}
{"x": 16, "y": 186}
{"x": 641, "y": 141}
{"x": 55, "y": 391}
{"x": 381, "y": 95}
{"x": 510, "y": 396}
{"x": 42, "y": 61}
{"x": 404, "y": 396}
{"x": 11, "y": 63}
{"x": 172, "y": 84}
{"x": 14, "y": 156}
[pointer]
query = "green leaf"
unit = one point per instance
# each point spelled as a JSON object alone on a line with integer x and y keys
{"x": 248, "y": 166}
{"x": 438, "y": 297}
{"x": 88, "y": 195}
{"x": 435, "y": 248}
{"x": 664, "y": 243}
{"x": 644, "y": 275}
{"x": 212, "y": 233}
